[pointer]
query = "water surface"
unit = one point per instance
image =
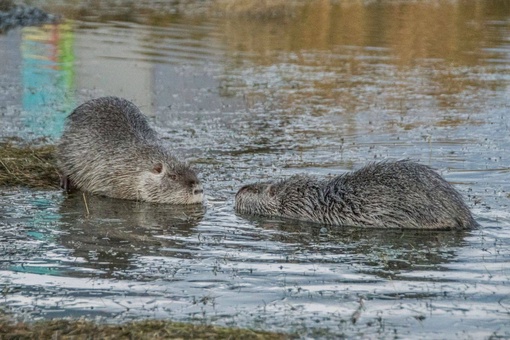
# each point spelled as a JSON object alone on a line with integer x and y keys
{"x": 244, "y": 95}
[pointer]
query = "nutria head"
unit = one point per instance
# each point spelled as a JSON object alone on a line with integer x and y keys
{"x": 257, "y": 199}
{"x": 295, "y": 197}
{"x": 174, "y": 184}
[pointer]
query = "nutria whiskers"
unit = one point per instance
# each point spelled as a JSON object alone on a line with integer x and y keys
{"x": 400, "y": 194}
{"x": 108, "y": 148}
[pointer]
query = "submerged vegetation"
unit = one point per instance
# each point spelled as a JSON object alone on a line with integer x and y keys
{"x": 150, "y": 329}
{"x": 28, "y": 165}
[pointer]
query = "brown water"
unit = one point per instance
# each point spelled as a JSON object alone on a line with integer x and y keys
{"x": 246, "y": 94}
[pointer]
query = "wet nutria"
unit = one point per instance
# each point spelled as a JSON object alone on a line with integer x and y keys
{"x": 108, "y": 148}
{"x": 400, "y": 194}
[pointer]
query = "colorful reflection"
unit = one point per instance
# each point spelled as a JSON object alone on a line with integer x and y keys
{"x": 48, "y": 82}
{"x": 48, "y": 77}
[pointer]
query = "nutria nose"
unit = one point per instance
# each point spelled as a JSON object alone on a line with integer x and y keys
{"x": 198, "y": 191}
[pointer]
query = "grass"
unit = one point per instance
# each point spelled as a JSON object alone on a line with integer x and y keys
{"x": 28, "y": 166}
{"x": 150, "y": 329}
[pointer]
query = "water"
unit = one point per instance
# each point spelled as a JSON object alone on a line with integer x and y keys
{"x": 321, "y": 88}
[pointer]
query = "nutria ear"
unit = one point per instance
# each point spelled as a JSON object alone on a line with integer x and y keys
{"x": 271, "y": 190}
{"x": 245, "y": 188}
{"x": 157, "y": 168}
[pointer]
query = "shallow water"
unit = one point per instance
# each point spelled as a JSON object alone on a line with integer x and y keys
{"x": 320, "y": 88}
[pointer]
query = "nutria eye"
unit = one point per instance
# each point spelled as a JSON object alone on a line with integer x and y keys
{"x": 157, "y": 168}
{"x": 173, "y": 177}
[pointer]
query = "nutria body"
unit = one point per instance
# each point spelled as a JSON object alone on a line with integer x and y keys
{"x": 108, "y": 148}
{"x": 400, "y": 194}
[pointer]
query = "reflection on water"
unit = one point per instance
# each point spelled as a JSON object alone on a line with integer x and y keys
{"x": 320, "y": 86}
{"x": 384, "y": 253}
{"x": 48, "y": 78}
{"x": 108, "y": 232}
{"x": 126, "y": 260}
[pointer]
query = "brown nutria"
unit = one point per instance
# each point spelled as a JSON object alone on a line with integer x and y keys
{"x": 400, "y": 194}
{"x": 108, "y": 148}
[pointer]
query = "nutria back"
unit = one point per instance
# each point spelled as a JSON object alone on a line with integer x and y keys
{"x": 400, "y": 194}
{"x": 108, "y": 148}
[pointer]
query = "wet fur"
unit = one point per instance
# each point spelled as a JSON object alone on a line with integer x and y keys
{"x": 108, "y": 148}
{"x": 400, "y": 194}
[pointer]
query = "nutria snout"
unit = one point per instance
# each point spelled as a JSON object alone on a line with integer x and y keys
{"x": 400, "y": 194}
{"x": 108, "y": 148}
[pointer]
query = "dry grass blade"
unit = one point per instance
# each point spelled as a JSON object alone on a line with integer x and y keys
{"x": 151, "y": 329}
{"x": 28, "y": 166}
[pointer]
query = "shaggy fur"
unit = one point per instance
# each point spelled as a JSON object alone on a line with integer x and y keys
{"x": 108, "y": 148}
{"x": 400, "y": 194}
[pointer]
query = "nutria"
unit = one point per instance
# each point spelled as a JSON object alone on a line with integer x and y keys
{"x": 400, "y": 194}
{"x": 108, "y": 148}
